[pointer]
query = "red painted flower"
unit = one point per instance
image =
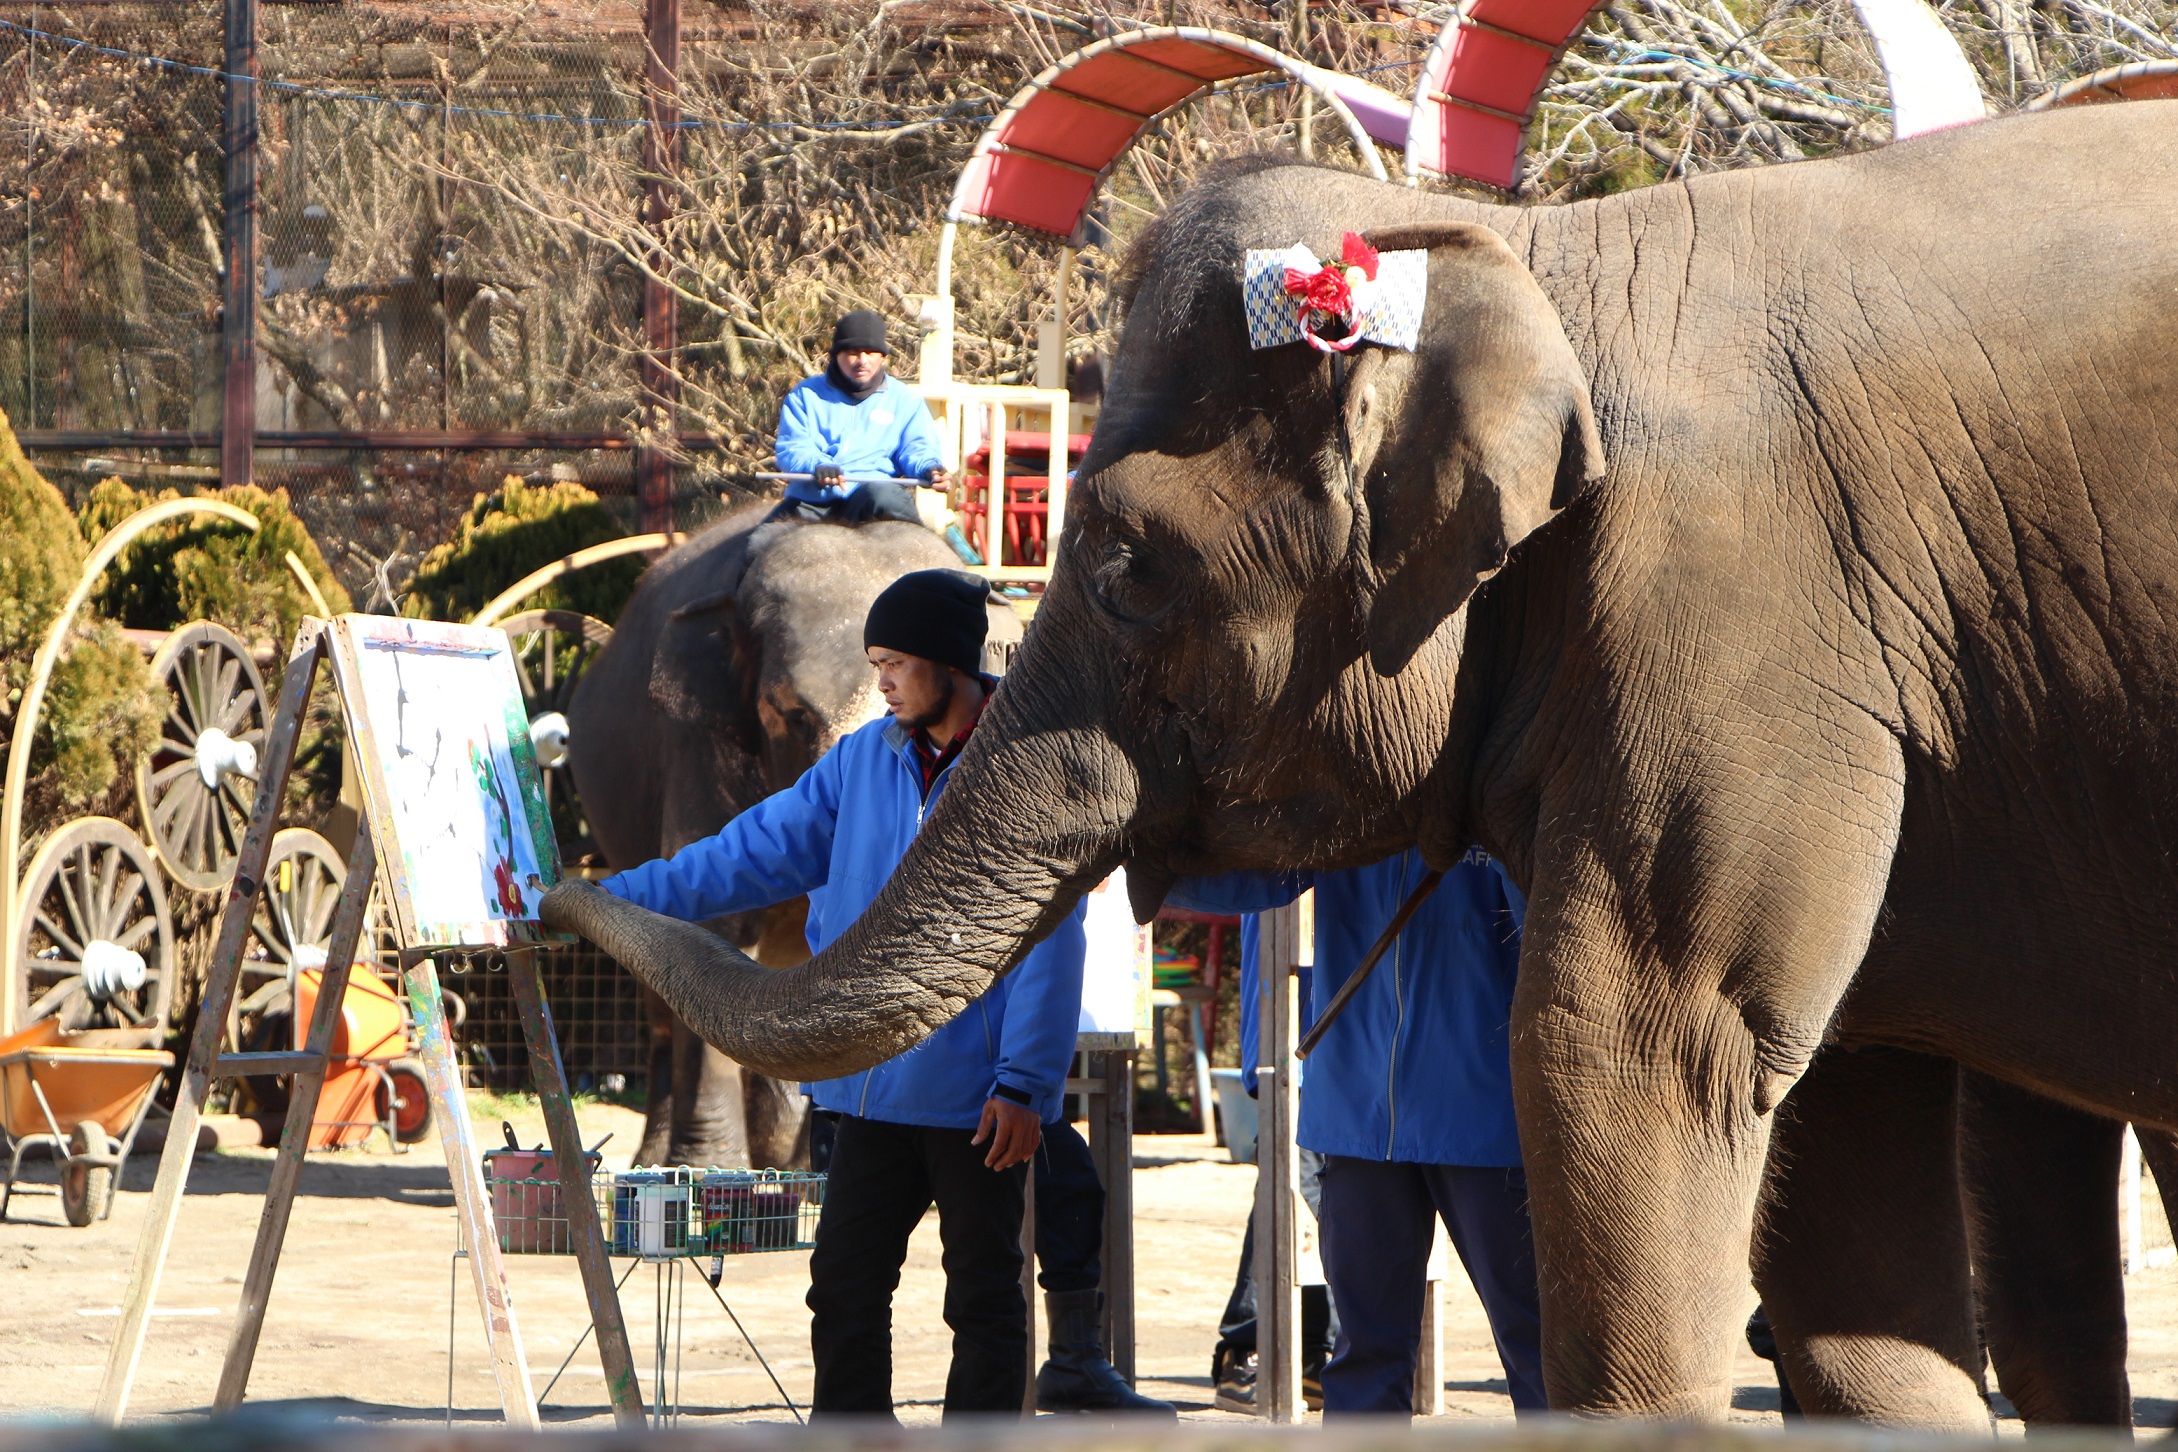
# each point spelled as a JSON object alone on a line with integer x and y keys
{"x": 510, "y": 896}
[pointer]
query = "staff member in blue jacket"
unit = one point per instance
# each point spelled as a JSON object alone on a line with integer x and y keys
{"x": 852, "y": 420}
{"x": 956, "y": 1118}
{"x": 1408, "y": 1097}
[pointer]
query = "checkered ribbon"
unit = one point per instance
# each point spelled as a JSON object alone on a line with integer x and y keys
{"x": 1387, "y": 310}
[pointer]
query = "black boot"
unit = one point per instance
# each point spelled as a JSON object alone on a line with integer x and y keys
{"x": 1079, "y": 1376}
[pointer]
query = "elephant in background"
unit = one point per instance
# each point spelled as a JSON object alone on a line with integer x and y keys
{"x": 736, "y": 663}
{"x": 1835, "y": 714}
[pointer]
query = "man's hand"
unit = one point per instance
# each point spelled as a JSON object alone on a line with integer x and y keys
{"x": 1012, "y": 1130}
{"x": 827, "y": 476}
{"x": 937, "y": 478}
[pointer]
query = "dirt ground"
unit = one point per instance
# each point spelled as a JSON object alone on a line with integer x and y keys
{"x": 359, "y": 1321}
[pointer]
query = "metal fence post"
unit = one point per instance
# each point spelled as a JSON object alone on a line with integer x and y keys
{"x": 661, "y": 316}
{"x": 238, "y": 318}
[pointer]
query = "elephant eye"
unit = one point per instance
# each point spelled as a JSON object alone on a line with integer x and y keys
{"x": 1130, "y": 583}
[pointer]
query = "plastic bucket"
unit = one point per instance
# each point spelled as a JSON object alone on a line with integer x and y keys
{"x": 1238, "y": 1112}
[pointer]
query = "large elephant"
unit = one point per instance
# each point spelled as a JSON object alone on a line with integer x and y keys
{"x": 737, "y": 663}
{"x": 1836, "y": 711}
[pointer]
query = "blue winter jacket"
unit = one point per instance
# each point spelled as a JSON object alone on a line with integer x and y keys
{"x": 837, "y": 834}
{"x": 888, "y": 434}
{"x": 1418, "y": 1067}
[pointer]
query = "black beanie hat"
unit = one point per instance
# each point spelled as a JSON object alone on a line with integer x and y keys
{"x": 861, "y": 330}
{"x": 935, "y": 614}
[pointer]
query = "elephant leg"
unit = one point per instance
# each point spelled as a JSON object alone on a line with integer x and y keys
{"x": 783, "y": 940}
{"x": 1679, "y": 970}
{"x": 2159, "y": 1149}
{"x": 710, "y": 1120}
{"x": 659, "y": 1023}
{"x": 1862, "y": 1260}
{"x": 777, "y": 1116}
{"x": 2042, "y": 1177}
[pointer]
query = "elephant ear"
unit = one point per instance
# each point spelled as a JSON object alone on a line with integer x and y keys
{"x": 1464, "y": 447}
{"x": 700, "y": 673}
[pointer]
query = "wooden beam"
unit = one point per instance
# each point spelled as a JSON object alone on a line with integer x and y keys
{"x": 302, "y": 1108}
{"x": 145, "y": 1271}
{"x": 577, "y": 1201}
{"x": 1278, "y": 1182}
{"x": 472, "y": 1199}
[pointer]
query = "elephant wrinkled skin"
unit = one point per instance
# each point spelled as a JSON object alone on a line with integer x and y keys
{"x": 1839, "y": 711}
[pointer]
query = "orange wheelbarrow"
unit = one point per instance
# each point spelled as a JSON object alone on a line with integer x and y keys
{"x": 81, "y": 1097}
{"x": 372, "y": 1081}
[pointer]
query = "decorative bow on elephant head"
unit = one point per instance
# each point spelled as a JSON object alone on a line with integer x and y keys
{"x": 1365, "y": 296}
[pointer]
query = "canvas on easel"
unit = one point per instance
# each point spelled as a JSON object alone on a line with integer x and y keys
{"x": 452, "y": 778}
{"x": 456, "y": 828}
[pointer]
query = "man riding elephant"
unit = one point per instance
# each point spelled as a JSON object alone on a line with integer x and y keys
{"x": 851, "y": 430}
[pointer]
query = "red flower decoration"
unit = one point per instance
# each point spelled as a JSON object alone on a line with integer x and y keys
{"x": 510, "y": 896}
{"x": 1322, "y": 291}
{"x": 1354, "y": 252}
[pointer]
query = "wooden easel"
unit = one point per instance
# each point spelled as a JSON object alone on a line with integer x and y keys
{"x": 306, "y": 1068}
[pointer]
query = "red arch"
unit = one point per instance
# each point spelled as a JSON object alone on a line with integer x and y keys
{"x": 1480, "y": 83}
{"x": 1040, "y": 161}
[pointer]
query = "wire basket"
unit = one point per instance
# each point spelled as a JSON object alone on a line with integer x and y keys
{"x": 741, "y": 1211}
{"x": 654, "y": 1212}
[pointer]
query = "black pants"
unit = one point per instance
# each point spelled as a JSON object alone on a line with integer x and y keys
{"x": 1378, "y": 1219}
{"x": 883, "y": 1177}
{"x": 1319, "y": 1317}
{"x": 1069, "y": 1212}
{"x": 868, "y": 501}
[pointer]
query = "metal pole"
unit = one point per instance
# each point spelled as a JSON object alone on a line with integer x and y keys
{"x": 30, "y": 234}
{"x": 661, "y": 317}
{"x": 238, "y": 136}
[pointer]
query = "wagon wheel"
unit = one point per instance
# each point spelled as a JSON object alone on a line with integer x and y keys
{"x": 194, "y": 790}
{"x": 552, "y": 648}
{"x": 95, "y": 940}
{"x": 293, "y": 923}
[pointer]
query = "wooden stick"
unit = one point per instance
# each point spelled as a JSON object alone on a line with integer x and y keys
{"x": 1360, "y": 975}
{"x": 1278, "y": 1185}
{"x": 471, "y": 1199}
{"x": 576, "y": 1199}
{"x": 1028, "y": 1288}
{"x": 149, "y": 1266}
{"x": 1115, "y": 1158}
{"x": 302, "y": 1105}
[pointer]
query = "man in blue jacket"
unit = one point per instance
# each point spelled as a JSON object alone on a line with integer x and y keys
{"x": 955, "y": 1119}
{"x": 853, "y": 421}
{"x": 1408, "y": 1097}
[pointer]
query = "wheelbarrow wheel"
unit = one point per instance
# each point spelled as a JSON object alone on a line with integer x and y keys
{"x": 94, "y": 938}
{"x": 196, "y": 787}
{"x": 87, "y": 1189}
{"x": 404, "y": 1100}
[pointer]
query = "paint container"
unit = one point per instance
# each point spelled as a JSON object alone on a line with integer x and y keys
{"x": 725, "y": 1206}
{"x": 651, "y": 1213}
{"x": 775, "y": 1213}
{"x": 527, "y": 1211}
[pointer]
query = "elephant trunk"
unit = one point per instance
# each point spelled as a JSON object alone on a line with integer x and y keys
{"x": 1032, "y": 818}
